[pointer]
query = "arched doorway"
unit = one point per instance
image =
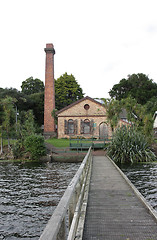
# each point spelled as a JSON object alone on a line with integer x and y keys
{"x": 103, "y": 130}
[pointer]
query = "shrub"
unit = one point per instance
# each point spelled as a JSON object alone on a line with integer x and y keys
{"x": 34, "y": 144}
{"x": 17, "y": 149}
{"x": 128, "y": 145}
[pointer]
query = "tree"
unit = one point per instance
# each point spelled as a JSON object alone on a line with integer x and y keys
{"x": 139, "y": 117}
{"x": 37, "y": 100}
{"x": 30, "y": 86}
{"x": 67, "y": 91}
{"x": 113, "y": 109}
{"x": 22, "y": 103}
{"x": 138, "y": 86}
{"x": 8, "y": 116}
{"x": 26, "y": 127}
{"x": 151, "y": 105}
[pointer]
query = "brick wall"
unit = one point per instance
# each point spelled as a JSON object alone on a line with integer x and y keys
{"x": 77, "y": 112}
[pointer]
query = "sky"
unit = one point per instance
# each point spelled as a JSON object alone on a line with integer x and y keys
{"x": 100, "y": 42}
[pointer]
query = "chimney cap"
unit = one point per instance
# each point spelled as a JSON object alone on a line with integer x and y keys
{"x": 49, "y": 48}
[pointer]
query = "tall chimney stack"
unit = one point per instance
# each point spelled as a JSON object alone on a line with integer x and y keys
{"x": 49, "y": 101}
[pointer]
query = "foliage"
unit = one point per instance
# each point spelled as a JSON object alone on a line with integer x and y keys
{"x": 25, "y": 102}
{"x": 8, "y": 117}
{"x": 22, "y": 100}
{"x": 17, "y": 149}
{"x": 67, "y": 91}
{"x": 113, "y": 109}
{"x": 53, "y": 114}
{"x": 37, "y": 100}
{"x": 27, "y": 125}
{"x": 30, "y": 86}
{"x": 151, "y": 105}
{"x": 34, "y": 144}
{"x": 25, "y": 128}
{"x": 138, "y": 115}
{"x": 138, "y": 86}
{"x": 129, "y": 145}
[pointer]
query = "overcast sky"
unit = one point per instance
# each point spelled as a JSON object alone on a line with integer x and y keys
{"x": 98, "y": 41}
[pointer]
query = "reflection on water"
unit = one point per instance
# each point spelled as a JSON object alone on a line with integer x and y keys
{"x": 144, "y": 177}
{"x": 29, "y": 194}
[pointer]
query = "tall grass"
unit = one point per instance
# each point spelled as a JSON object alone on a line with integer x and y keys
{"x": 128, "y": 145}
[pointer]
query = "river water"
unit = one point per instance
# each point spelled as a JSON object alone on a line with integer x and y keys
{"x": 144, "y": 178}
{"x": 29, "y": 193}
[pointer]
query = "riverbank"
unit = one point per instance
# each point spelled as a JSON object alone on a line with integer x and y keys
{"x": 57, "y": 154}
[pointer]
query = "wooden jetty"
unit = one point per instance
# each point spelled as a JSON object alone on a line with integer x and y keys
{"x": 115, "y": 210}
{"x": 101, "y": 203}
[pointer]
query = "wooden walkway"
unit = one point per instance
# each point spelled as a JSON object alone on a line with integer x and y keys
{"x": 114, "y": 211}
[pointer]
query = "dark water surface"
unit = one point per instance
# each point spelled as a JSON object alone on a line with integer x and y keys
{"x": 29, "y": 193}
{"x": 144, "y": 178}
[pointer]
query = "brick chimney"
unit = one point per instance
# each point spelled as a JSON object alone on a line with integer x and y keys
{"x": 49, "y": 99}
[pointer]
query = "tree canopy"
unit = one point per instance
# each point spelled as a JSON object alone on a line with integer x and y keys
{"x": 138, "y": 86}
{"x": 67, "y": 91}
{"x": 30, "y": 86}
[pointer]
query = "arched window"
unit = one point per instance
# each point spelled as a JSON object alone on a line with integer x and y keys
{"x": 70, "y": 126}
{"x": 87, "y": 126}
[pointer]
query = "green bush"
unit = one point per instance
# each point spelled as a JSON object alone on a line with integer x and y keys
{"x": 128, "y": 145}
{"x": 34, "y": 144}
{"x": 17, "y": 149}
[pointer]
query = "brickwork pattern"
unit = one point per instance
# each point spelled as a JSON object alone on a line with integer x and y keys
{"x": 49, "y": 101}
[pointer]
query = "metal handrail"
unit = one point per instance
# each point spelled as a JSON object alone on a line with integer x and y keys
{"x": 69, "y": 206}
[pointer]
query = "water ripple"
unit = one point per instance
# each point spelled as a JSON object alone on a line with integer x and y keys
{"x": 29, "y": 194}
{"x": 144, "y": 177}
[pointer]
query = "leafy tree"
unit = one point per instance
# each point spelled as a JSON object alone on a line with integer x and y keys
{"x": 151, "y": 105}
{"x": 1, "y": 136}
{"x": 23, "y": 101}
{"x": 138, "y": 115}
{"x": 67, "y": 91}
{"x": 113, "y": 109}
{"x": 26, "y": 127}
{"x": 138, "y": 86}
{"x": 37, "y": 100}
{"x": 27, "y": 124}
{"x": 8, "y": 116}
{"x": 30, "y": 86}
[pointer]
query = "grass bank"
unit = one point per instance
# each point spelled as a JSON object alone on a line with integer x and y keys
{"x": 59, "y": 143}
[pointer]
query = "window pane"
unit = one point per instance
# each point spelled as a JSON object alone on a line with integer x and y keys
{"x": 86, "y": 126}
{"x": 70, "y": 127}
